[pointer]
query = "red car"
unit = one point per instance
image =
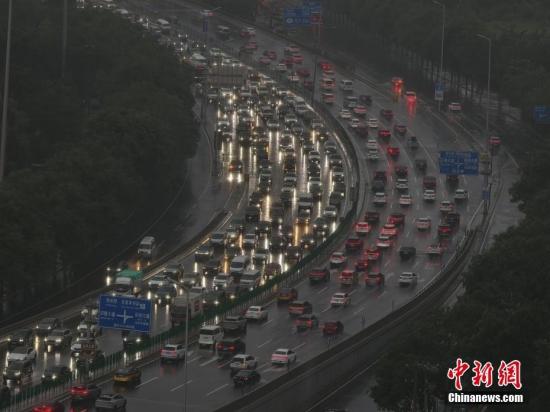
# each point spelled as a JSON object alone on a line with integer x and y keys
{"x": 333, "y": 327}
{"x": 374, "y": 279}
{"x": 287, "y": 61}
{"x": 354, "y": 244}
{"x": 386, "y": 114}
{"x": 494, "y": 141}
{"x": 324, "y": 65}
{"x": 373, "y": 253}
{"x": 360, "y": 110}
{"x": 444, "y": 230}
{"x": 50, "y": 407}
{"x": 362, "y": 228}
{"x": 85, "y": 391}
{"x": 389, "y": 229}
{"x": 365, "y": 99}
{"x": 303, "y": 72}
{"x": 297, "y": 59}
{"x": 393, "y": 151}
{"x": 265, "y": 60}
{"x": 362, "y": 264}
{"x": 362, "y": 130}
{"x": 401, "y": 171}
{"x": 400, "y": 129}
{"x": 384, "y": 133}
{"x": 396, "y": 219}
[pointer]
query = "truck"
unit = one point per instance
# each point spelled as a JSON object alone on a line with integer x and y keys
{"x": 128, "y": 282}
{"x": 178, "y": 312}
{"x": 234, "y": 324}
{"x": 147, "y": 247}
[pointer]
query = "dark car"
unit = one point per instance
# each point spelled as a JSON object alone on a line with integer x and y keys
{"x": 365, "y": 99}
{"x": 401, "y": 171}
{"x": 91, "y": 361}
{"x": 429, "y": 182}
{"x": 372, "y": 217}
{"x": 229, "y": 347}
{"x": 212, "y": 267}
{"x": 381, "y": 175}
{"x": 299, "y": 307}
{"x": 452, "y": 179}
{"x": 277, "y": 244}
{"x": 85, "y": 392}
{"x": 46, "y": 325}
{"x": 421, "y": 165}
{"x": 333, "y": 327}
{"x": 308, "y": 242}
{"x": 407, "y": 252}
{"x": 453, "y": 219}
{"x": 203, "y": 253}
{"x": 165, "y": 294}
{"x": 386, "y": 114}
{"x": 22, "y": 337}
{"x": 252, "y": 214}
{"x": 307, "y": 321}
{"x": 319, "y": 275}
{"x": 5, "y": 395}
{"x": 57, "y": 373}
{"x": 378, "y": 186}
{"x": 397, "y": 219}
{"x": 134, "y": 338}
{"x": 18, "y": 371}
{"x": 354, "y": 244}
{"x": 287, "y": 295}
{"x": 246, "y": 377}
{"x": 293, "y": 254}
{"x": 264, "y": 227}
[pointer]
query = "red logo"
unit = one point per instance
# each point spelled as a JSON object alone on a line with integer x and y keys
{"x": 457, "y": 372}
{"x": 483, "y": 374}
{"x": 508, "y": 373}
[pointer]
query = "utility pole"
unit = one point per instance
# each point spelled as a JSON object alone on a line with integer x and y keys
{"x": 4, "y": 131}
{"x": 440, "y": 73}
{"x": 487, "y": 185}
{"x": 64, "y": 40}
{"x": 186, "y": 349}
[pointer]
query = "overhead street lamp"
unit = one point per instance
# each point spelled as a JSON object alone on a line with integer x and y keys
{"x": 186, "y": 343}
{"x": 487, "y": 184}
{"x": 4, "y": 132}
{"x": 440, "y": 73}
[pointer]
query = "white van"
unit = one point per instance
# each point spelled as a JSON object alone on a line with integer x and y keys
{"x": 239, "y": 264}
{"x": 147, "y": 247}
{"x": 346, "y": 85}
{"x": 208, "y": 337}
{"x": 164, "y": 26}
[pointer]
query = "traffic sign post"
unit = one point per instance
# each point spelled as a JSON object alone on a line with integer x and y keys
{"x": 458, "y": 163}
{"x": 125, "y": 313}
{"x": 309, "y": 13}
{"x": 439, "y": 92}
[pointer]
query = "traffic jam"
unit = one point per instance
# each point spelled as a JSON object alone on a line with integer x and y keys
{"x": 295, "y": 178}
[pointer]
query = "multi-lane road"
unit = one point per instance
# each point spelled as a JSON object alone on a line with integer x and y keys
{"x": 209, "y": 384}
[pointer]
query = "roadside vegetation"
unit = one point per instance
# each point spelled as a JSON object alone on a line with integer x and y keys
{"x": 84, "y": 151}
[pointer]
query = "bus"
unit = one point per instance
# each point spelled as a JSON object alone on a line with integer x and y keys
{"x": 224, "y": 32}
{"x": 164, "y": 26}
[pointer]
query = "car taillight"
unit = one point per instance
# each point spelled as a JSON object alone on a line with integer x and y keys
{"x": 232, "y": 347}
{"x": 220, "y": 346}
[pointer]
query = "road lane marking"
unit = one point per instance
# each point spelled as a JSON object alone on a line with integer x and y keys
{"x": 352, "y": 292}
{"x": 265, "y": 343}
{"x": 213, "y": 359}
{"x": 327, "y": 308}
{"x": 148, "y": 381}
{"x": 175, "y": 388}
{"x": 264, "y": 365}
{"x": 416, "y": 264}
{"x": 217, "y": 389}
{"x": 389, "y": 276}
{"x": 322, "y": 290}
{"x": 359, "y": 310}
{"x": 221, "y": 365}
{"x": 192, "y": 360}
{"x": 387, "y": 263}
{"x": 295, "y": 348}
{"x": 267, "y": 323}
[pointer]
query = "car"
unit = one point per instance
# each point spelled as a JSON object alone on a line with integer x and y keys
{"x": 373, "y": 252}
{"x": 258, "y": 313}
{"x": 423, "y": 223}
{"x": 85, "y": 392}
{"x": 372, "y": 217}
{"x": 444, "y": 230}
{"x": 319, "y": 274}
{"x": 56, "y": 373}
{"x": 412, "y": 142}
{"x": 400, "y": 129}
{"x": 389, "y": 229}
{"x": 249, "y": 240}
{"x": 337, "y": 259}
{"x": 281, "y": 67}
{"x": 303, "y": 72}
{"x": 402, "y": 184}
{"x": 22, "y": 337}
{"x": 134, "y": 338}
{"x": 379, "y": 199}
{"x": 397, "y": 219}
{"x": 21, "y": 353}
{"x": 373, "y": 154}
{"x": 362, "y": 228}
{"x": 242, "y": 361}
{"x": 384, "y": 133}
{"x": 229, "y": 347}
{"x": 372, "y": 144}
{"x": 384, "y": 242}
{"x": 306, "y": 321}
{"x": 429, "y": 195}
{"x": 421, "y": 164}
{"x": 374, "y": 279}
{"x": 265, "y": 60}
{"x": 407, "y": 252}
{"x": 272, "y": 269}
{"x": 283, "y": 356}
{"x": 495, "y": 141}
{"x": 408, "y": 279}
{"x": 46, "y": 325}
{"x": 18, "y": 371}
{"x": 217, "y": 239}
{"x": 129, "y": 374}
{"x": 340, "y": 299}
{"x": 333, "y": 327}
{"x": 321, "y": 226}
{"x": 172, "y": 352}
{"x": 345, "y": 114}
{"x": 401, "y": 171}
{"x": 90, "y": 360}
{"x": 204, "y": 253}
{"x": 434, "y": 250}
{"x": 452, "y": 180}
{"x": 362, "y": 263}
{"x": 286, "y": 295}
{"x": 372, "y": 123}
{"x": 461, "y": 195}
{"x": 55, "y": 406}
{"x": 246, "y": 377}
{"x": 299, "y": 307}
{"x": 405, "y": 200}
{"x": 165, "y": 294}
{"x": 365, "y": 99}
{"x": 393, "y": 151}
{"x": 411, "y": 96}
{"x": 354, "y": 122}
{"x": 386, "y": 114}
{"x": 272, "y": 54}
{"x": 446, "y": 206}
{"x": 455, "y": 107}
{"x": 452, "y": 219}
{"x": 110, "y": 401}
{"x": 354, "y": 244}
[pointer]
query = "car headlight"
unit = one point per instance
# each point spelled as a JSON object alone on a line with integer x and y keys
{"x": 125, "y": 339}
{"x": 49, "y": 327}
{"x": 138, "y": 340}
{"x": 54, "y": 377}
{"x": 43, "y": 376}
{"x": 17, "y": 373}
{"x": 58, "y": 341}
{"x": 9, "y": 339}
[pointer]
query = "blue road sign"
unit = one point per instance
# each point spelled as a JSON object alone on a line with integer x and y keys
{"x": 485, "y": 194}
{"x": 542, "y": 114}
{"x": 125, "y": 312}
{"x": 439, "y": 91}
{"x": 297, "y": 16}
{"x": 458, "y": 163}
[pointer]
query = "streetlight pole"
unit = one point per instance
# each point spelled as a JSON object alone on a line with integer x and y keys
{"x": 64, "y": 40}
{"x": 186, "y": 345}
{"x": 4, "y": 131}
{"x": 440, "y": 73}
{"x": 487, "y": 184}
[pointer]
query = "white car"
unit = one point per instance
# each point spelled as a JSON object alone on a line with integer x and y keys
{"x": 293, "y": 78}
{"x": 455, "y": 107}
{"x": 283, "y": 357}
{"x": 405, "y": 200}
{"x": 373, "y": 154}
{"x": 88, "y": 328}
{"x": 158, "y": 281}
{"x": 243, "y": 361}
{"x": 340, "y": 299}
{"x": 338, "y": 259}
{"x": 249, "y": 241}
{"x": 256, "y": 313}
{"x": 354, "y": 123}
{"x": 372, "y": 123}
{"x": 429, "y": 195}
{"x": 172, "y": 352}
{"x": 408, "y": 279}
{"x": 446, "y": 206}
{"x": 281, "y": 67}
{"x": 383, "y": 242}
{"x": 372, "y": 143}
{"x": 222, "y": 281}
{"x": 423, "y": 223}
{"x": 362, "y": 228}
{"x": 402, "y": 184}
{"x": 22, "y": 353}
{"x": 461, "y": 194}
{"x": 345, "y": 114}
{"x": 110, "y": 401}
{"x": 380, "y": 199}
{"x": 330, "y": 212}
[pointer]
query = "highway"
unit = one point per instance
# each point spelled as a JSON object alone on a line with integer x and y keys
{"x": 209, "y": 385}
